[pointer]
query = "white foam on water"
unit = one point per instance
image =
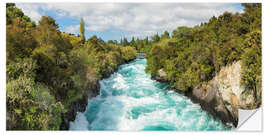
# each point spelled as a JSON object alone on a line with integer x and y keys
{"x": 177, "y": 98}
{"x": 144, "y": 80}
{"x": 80, "y": 122}
{"x": 116, "y": 112}
{"x": 131, "y": 102}
{"x": 131, "y": 67}
{"x": 140, "y": 68}
{"x": 120, "y": 82}
{"x": 154, "y": 118}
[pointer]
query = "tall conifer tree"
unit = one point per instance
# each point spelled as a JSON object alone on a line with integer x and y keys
{"x": 82, "y": 31}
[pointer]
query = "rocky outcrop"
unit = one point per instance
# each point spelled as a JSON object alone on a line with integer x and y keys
{"x": 161, "y": 76}
{"x": 79, "y": 105}
{"x": 92, "y": 90}
{"x": 223, "y": 95}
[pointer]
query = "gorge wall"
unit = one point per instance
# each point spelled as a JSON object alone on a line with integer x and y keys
{"x": 79, "y": 105}
{"x": 223, "y": 95}
{"x": 92, "y": 90}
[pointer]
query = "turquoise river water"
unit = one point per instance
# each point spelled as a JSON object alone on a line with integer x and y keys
{"x": 130, "y": 100}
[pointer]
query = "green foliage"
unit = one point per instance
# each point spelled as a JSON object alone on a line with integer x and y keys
{"x": 181, "y": 32}
{"x": 82, "y": 31}
{"x": 20, "y": 41}
{"x": 12, "y": 13}
{"x": 48, "y": 70}
{"x": 132, "y": 42}
{"x": 75, "y": 41}
{"x": 159, "y": 54}
{"x": 155, "y": 38}
{"x": 124, "y": 42}
{"x": 193, "y": 56}
{"x": 25, "y": 67}
{"x": 30, "y": 105}
{"x": 252, "y": 64}
{"x": 165, "y": 35}
{"x": 128, "y": 53}
{"x": 112, "y": 41}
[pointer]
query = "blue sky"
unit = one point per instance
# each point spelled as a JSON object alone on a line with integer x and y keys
{"x": 117, "y": 20}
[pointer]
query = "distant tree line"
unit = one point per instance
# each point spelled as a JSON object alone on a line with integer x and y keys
{"x": 141, "y": 45}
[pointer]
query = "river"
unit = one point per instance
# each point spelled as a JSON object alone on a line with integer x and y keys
{"x": 130, "y": 100}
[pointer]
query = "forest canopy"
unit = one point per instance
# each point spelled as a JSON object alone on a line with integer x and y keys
{"x": 194, "y": 55}
{"x": 48, "y": 70}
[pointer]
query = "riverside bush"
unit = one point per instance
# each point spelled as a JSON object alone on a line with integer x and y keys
{"x": 193, "y": 56}
{"x": 48, "y": 70}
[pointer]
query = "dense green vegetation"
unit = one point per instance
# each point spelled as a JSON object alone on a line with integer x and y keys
{"x": 142, "y": 45}
{"x": 47, "y": 69}
{"x": 193, "y": 56}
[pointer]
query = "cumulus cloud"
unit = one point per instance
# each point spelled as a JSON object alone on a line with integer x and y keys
{"x": 30, "y": 10}
{"x": 72, "y": 29}
{"x": 133, "y": 18}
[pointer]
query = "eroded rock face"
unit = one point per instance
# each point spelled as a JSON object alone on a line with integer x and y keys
{"x": 161, "y": 76}
{"x": 223, "y": 95}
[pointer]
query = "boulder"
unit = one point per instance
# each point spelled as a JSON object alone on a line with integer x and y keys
{"x": 161, "y": 76}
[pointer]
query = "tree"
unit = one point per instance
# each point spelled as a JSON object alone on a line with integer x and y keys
{"x": 82, "y": 31}
{"x": 252, "y": 15}
{"x": 48, "y": 21}
{"x": 20, "y": 40}
{"x": 10, "y": 5}
{"x": 199, "y": 52}
{"x": 251, "y": 5}
{"x": 138, "y": 42}
{"x": 125, "y": 42}
{"x": 132, "y": 42}
{"x": 30, "y": 104}
{"x": 252, "y": 62}
{"x": 112, "y": 41}
{"x": 165, "y": 35}
{"x": 181, "y": 32}
{"x": 94, "y": 40}
{"x": 12, "y": 12}
{"x": 48, "y": 71}
{"x": 212, "y": 19}
{"x": 146, "y": 40}
{"x": 155, "y": 38}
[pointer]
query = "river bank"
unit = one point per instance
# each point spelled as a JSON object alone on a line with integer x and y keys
{"x": 81, "y": 104}
{"x": 130, "y": 100}
{"x": 223, "y": 95}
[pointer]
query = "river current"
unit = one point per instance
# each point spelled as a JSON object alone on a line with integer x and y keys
{"x": 130, "y": 100}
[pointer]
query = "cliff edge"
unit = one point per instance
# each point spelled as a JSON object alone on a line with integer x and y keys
{"x": 224, "y": 95}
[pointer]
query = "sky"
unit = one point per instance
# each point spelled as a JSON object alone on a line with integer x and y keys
{"x": 113, "y": 21}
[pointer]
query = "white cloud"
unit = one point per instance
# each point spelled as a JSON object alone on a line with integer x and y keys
{"x": 135, "y": 19}
{"x": 30, "y": 10}
{"x": 72, "y": 29}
